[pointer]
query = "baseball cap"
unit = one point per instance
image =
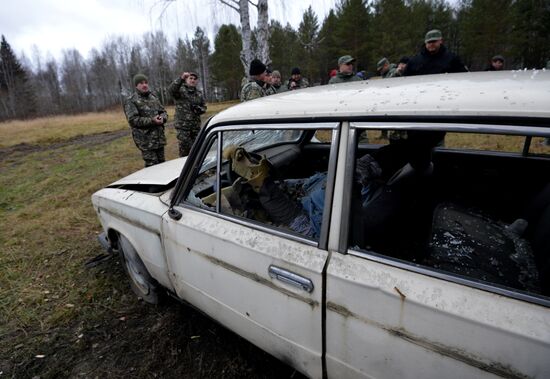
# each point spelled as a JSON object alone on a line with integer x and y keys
{"x": 345, "y": 59}
{"x": 433, "y": 35}
{"x": 381, "y": 63}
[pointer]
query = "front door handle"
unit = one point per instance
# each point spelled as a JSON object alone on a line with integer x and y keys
{"x": 290, "y": 278}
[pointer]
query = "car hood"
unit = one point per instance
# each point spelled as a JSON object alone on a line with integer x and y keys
{"x": 161, "y": 174}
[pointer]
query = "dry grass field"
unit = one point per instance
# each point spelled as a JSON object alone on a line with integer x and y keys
{"x": 60, "y": 319}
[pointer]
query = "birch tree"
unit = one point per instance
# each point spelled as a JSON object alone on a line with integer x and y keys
{"x": 262, "y": 31}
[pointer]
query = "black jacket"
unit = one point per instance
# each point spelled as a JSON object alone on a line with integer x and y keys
{"x": 425, "y": 63}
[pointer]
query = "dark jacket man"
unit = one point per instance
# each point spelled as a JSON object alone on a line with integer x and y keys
{"x": 253, "y": 88}
{"x": 190, "y": 105}
{"x": 146, "y": 116}
{"x": 434, "y": 58}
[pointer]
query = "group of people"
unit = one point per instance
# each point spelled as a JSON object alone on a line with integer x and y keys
{"x": 147, "y": 116}
{"x": 434, "y": 58}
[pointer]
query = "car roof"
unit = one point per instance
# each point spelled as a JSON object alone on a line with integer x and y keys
{"x": 523, "y": 94}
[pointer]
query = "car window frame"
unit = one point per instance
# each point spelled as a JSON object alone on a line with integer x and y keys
{"x": 215, "y": 135}
{"x": 344, "y": 246}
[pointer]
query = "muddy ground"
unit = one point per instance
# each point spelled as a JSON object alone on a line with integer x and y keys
{"x": 116, "y": 335}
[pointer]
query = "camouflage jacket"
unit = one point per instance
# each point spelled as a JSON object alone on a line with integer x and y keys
{"x": 252, "y": 90}
{"x": 189, "y": 101}
{"x": 344, "y": 78}
{"x": 279, "y": 89}
{"x": 140, "y": 109}
{"x": 392, "y": 72}
{"x": 302, "y": 83}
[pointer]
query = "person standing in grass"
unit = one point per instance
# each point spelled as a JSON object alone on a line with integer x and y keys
{"x": 190, "y": 105}
{"x": 146, "y": 116}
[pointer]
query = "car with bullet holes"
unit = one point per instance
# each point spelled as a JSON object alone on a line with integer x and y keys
{"x": 394, "y": 228}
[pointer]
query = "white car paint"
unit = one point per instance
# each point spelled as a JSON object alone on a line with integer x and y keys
{"x": 161, "y": 174}
{"x": 381, "y": 320}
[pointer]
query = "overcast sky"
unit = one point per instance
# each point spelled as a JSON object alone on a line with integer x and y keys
{"x": 54, "y": 25}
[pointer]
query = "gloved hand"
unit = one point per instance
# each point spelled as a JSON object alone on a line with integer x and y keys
{"x": 247, "y": 167}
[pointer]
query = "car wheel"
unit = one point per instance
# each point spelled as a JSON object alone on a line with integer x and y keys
{"x": 143, "y": 285}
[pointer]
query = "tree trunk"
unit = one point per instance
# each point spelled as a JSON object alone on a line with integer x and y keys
{"x": 263, "y": 32}
{"x": 246, "y": 52}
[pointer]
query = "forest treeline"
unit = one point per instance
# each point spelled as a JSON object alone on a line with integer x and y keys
{"x": 368, "y": 30}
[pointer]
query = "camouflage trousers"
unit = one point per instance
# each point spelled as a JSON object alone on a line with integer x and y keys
{"x": 153, "y": 156}
{"x": 186, "y": 134}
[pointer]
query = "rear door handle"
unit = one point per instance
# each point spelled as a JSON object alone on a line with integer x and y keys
{"x": 291, "y": 278}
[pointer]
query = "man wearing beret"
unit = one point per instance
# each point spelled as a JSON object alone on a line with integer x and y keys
{"x": 146, "y": 116}
{"x": 254, "y": 87}
{"x": 345, "y": 71}
{"x": 190, "y": 105}
{"x": 296, "y": 81}
{"x": 434, "y": 58}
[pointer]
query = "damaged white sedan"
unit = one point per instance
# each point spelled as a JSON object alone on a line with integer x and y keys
{"x": 393, "y": 229}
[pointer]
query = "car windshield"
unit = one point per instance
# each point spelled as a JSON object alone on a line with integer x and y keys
{"x": 251, "y": 140}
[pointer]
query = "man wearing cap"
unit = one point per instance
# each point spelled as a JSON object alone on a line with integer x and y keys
{"x": 276, "y": 83}
{"x": 190, "y": 105}
{"x": 296, "y": 81}
{"x": 146, "y": 116}
{"x": 496, "y": 64}
{"x": 254, "y": 87}
{"x": 434, "y": 58}
{"x": 345, "y": 71}
{"x": 385, "y": 68}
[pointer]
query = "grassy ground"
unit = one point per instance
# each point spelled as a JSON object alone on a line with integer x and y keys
{"x": 59, "y": 319}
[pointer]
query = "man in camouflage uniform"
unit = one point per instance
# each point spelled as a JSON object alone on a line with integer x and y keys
{"x": 254, "y": 87}
{"x": 296, "y": 81}
{"x": 146, "y": 116}
{"x": 190, "y": 105}
{"x": 385, "y": 68}
{"x": 345, "y": 71}
{"x": 276, "y": 83}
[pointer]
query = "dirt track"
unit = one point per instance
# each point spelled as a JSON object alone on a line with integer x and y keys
{"x": 22, "y": 149}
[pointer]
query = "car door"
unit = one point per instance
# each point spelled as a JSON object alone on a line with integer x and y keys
{"x": 394, "y": 318}
{"x": 262, "y": 282}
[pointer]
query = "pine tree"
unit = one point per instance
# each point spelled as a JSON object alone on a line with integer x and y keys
{"x": 352, "y": 32}
{"x": 308, "y": 37}
{"x": 225, "y": 61}
{"x": 391, "y": 42}
{"x": 328, "y": 46}
{"x": 482, "y": 36}
{"x": 17, "y": 98}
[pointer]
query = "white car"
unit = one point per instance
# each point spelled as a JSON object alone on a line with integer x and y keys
{"x": 393, "y": 228}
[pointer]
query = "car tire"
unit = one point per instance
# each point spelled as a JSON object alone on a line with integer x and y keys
{"x": 143, "y": 285}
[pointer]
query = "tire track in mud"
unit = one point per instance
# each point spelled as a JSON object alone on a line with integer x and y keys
{"x": 23, "y": 149}
{"x": 20, "y": 150}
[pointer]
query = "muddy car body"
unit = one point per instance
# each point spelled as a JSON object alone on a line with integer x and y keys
{"x": 429, "y": 275}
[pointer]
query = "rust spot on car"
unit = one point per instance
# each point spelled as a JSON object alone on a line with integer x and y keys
{"x": 447, "y": 351}
{"x": 403, "y": 297}
{"x": 257, "y": 278}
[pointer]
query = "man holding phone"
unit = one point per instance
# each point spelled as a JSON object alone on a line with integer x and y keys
{"x": 146, "y": 116}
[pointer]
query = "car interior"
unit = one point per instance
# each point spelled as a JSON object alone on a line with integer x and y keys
{"x": 481, "y": 215}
